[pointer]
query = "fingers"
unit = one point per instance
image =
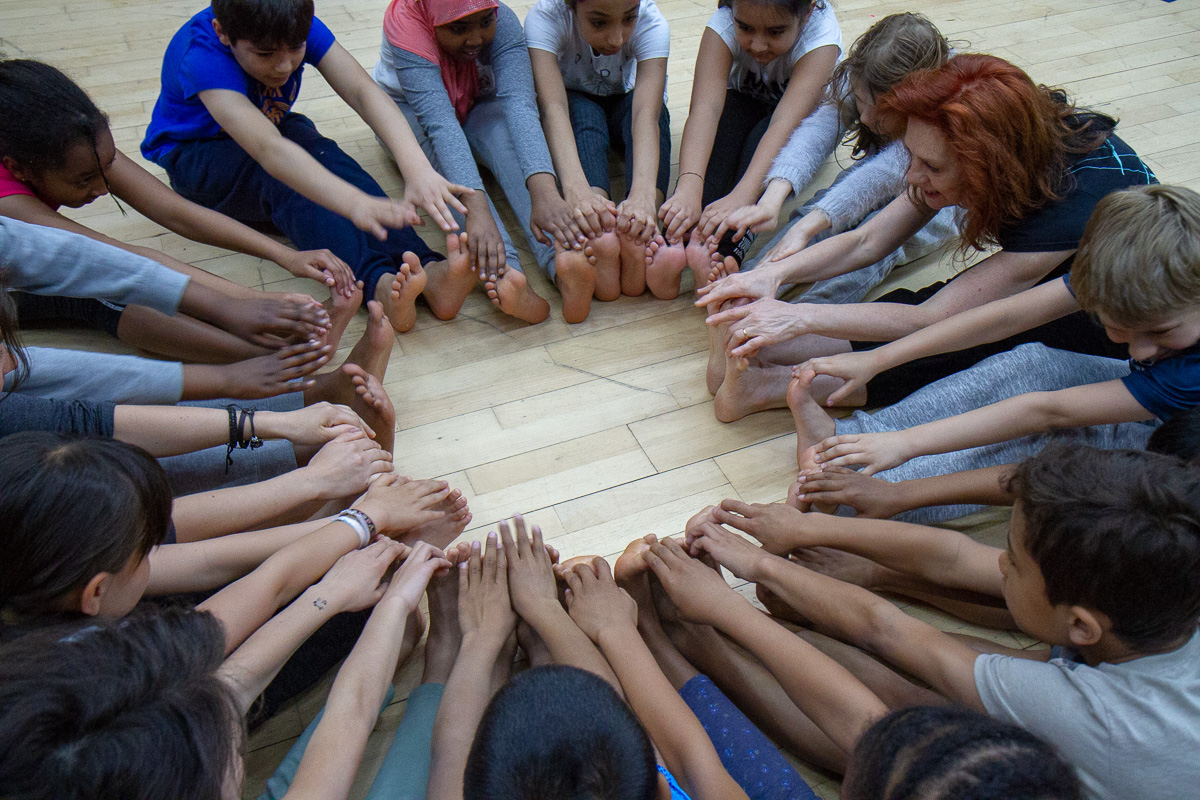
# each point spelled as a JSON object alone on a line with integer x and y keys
{"x": 510, "y": 547}
{"x": 842, "y": 392}
{"x": 729, "y": 316}
{"x": 455, "y": 190}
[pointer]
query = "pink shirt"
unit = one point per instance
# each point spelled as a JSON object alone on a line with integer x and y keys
{"x": 9, "y": 186}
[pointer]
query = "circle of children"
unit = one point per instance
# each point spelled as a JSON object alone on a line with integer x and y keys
{"x": 287, "y": 543}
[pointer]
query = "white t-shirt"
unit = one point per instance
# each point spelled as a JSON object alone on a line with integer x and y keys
{"x": 550, "y": 26}
{"x": 768, "y": 81}
{"x": 1130, "y": 730}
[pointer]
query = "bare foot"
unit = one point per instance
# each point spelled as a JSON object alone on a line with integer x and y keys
{"x": 441, "y": 532}
{"x": 288, "y": 369}
{"x": 722, "y": 268}
{"x": 634, "y": 258}
{"x": 373, "y": 404}
{"x": 372, "y": 351}
{"x": 777, "y": 608}
{"x": 341, "y": 310}
{"x": 813, "y": 425}
{"x": 512, "y": 294}
{"x": 575, "y": 275}
{"x": 398, "y": 293}
{"x": 445, "y": 636}
{"x": 700, "y": 254}
{"x": 449, "y": 282}
{"x": 844, "y": 566}
{"x": 714, "y": 374}
{"x": 607, "y": 249}
{"x": 631, "y": 565}
{"x": 573, "y": 562}
{"x": 757, "y": 387}
{"x": 664, "y": 267}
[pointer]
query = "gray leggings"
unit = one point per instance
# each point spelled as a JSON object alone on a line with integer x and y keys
{"x": 1026, "y": 368}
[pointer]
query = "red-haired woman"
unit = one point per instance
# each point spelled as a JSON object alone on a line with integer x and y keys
{"x": 1024, "y": 166}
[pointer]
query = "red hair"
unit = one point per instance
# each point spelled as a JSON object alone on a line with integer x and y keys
{"x": 1011, "y": 139}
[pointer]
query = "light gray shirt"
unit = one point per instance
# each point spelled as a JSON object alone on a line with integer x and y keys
{"x": 1130, "y": 730}
{"x": 50, "y": 261}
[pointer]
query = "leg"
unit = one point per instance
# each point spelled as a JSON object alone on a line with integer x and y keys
{"x": 74, "y": 375}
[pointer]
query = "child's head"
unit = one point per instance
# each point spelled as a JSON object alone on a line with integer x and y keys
{"x": 267, "y": 37}
{"x": 80, "y": 517}
{"x": 52, "y": 136}
{"x": 948, "y": 753}
{"x": 606, "y": 25}
{"x": 878, "y": 60}
{"x": 767, "y": 29}
{"x": 1179, "y": 436}
{"x": 129, "y": 708}
{"x": 1104, "y": 542}
{"x": 1138, "y": 268}
{"x": 560, "y": 732}
{"x": 985, "y": 137}
{"x": 463, "y": 28}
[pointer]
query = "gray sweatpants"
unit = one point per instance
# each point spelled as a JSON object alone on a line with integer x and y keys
{"x": 1026, "y": 368}
{"x": 83, "y": 375}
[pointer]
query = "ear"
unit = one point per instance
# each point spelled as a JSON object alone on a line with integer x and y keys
{"x": 221, "y": 34}
{"x": 93, "y": 594}
{"x": 18, "y": 172}
{"x": 1085, "y": 626}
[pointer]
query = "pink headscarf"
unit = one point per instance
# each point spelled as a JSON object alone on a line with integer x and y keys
{"x": 409, "y": 24}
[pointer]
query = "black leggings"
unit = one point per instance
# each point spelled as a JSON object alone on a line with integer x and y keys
{"x": 744, "y": 120}
{"x": 98, "y": 314}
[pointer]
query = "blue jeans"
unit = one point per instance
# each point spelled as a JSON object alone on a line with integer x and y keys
{"x": 219, "y": 174}
{"x": 601, "y": 123}
{"x": 404, "y": 773}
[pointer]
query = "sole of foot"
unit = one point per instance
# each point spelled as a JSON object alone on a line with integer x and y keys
{"x": 634, "y": 259}
{"x": 607, "y": 249}
{"x": 699, "y": 256}
{"x": 512, "y": 294}
{"x": 449, "y": 282}
{"x": 749, "y": 390}
{"x": 813, "y": 424}
{"x": 342, "y": 309}
{"x": 714, "y": 372}
{"x": 398, "y": 293}
{"x": 575, "y": 275}
{"x": 665, "y": 264}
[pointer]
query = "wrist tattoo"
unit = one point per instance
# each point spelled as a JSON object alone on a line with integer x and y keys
{"x": 320, "y": 603}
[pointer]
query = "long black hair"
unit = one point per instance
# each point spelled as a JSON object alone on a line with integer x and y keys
{"x": 45, "y": 114}
{"x": 73, "y": 508}
{"x": 130, "y": 708}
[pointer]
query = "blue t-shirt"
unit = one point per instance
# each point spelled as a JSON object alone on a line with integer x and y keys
{"x": 1167, "y": 386}
{"x": 195, "y": 62}
{"x": 1163, "y": 387}
{"x": 676, "y": 792}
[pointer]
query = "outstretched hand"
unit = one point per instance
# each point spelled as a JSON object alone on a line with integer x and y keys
{"x": 316, "y": 424}
{"x": 779, "y": 527}
{"x": 530, "y": 572}
{"x": 756, "y": 325}
{"x": 874, "y": 452}
{"x": 596, "y": 603}
{"x": 748, "y": 219}
{"x": 378, "y": 215}
{"x": 273, "y": 321}
{"x": 483, "y": 596}
{"x": 856, "y": 369}
{"x": 436, "y": 196}
{"x": 322, "y": 266}
{"x": 354, "y": 582}
{"x": 741, "y": 557}
{"x": 755, "y": 284}
{"x": 420, "y": 564}
{"x": 397, "y": 504}
{"x": 698, "y": 591}
{"x": 347, "y": 465}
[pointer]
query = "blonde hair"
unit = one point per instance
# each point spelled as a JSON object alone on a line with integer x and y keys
{"x": 878, "y": 60}
{"x": 1139, "y": 258}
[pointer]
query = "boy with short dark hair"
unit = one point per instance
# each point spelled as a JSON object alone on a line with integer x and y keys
{"x": 224, "y": 131}
{"x": 1137, "y": 270}
{"x": 1103, "y": 563}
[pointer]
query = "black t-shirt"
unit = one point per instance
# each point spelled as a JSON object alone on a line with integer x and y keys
{"x": 1059, "y": 225}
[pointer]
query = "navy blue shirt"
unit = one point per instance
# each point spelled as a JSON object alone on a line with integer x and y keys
{"x": 1059, "y": 225}
{"x": 195, "y": 62}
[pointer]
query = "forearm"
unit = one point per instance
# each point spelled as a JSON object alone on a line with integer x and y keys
{"x": 246, "y": 604}
{"x": 1012, "y": 418}
{"x": 332, "y": 757}
{"x": 985, "y": 486}
{"x": 208, "y": 515}
{"x": 199, "y": 566}
{"x": 454, "y": 729}
{"x": 568, "y": 644}
{"x": 290, "y": 164}
{"x": 751, "y": 183}
{"x": 561, "y": 140}
{"x": 940, "y": 556}
{"x": 171, "y": 430}
{"x": 674, "y": 729}
{"x": 775, "y": 195}
{"x": 254, "y": 664}
{"x": 699, "y": 133}
{"x": 870, "y": 184}
{"x": 645, "y": 148}
{"x": 823, "y": 689}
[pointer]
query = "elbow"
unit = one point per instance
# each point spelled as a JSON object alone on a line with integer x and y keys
{"x": 1045, "y": 414}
